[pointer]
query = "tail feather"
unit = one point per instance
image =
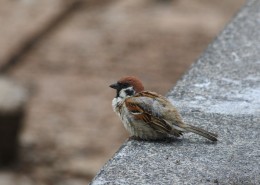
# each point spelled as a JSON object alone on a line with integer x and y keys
{"x": 202, "y": 132}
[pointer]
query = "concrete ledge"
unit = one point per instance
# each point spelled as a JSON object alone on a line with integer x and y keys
{"x": 221, "y": 93}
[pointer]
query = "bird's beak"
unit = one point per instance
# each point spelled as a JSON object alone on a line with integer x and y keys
{"x": 114, "y": 86}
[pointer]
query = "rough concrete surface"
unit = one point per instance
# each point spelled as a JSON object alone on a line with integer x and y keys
{"x": 220, "y": 93}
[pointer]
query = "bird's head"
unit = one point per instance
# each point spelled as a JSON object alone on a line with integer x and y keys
{"x": 127, "y": 86}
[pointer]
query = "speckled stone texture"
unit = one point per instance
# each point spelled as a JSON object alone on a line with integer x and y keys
{"x": 221, "y": 93}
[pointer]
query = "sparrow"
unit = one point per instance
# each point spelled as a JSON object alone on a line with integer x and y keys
{"x": 147, "y": 115}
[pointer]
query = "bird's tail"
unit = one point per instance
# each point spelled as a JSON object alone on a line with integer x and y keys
{"x": 202, "y": 132}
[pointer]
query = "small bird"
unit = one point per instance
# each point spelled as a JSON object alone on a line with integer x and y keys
{"x": 147, "y": 115}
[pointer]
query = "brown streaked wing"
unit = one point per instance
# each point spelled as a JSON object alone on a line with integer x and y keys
{"x": 147, "y": 94}
{"x": 145, "y": 114}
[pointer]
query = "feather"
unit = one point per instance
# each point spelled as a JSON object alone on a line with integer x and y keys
{"x": 202, "y": 132}
{"x": 141, "y": 106}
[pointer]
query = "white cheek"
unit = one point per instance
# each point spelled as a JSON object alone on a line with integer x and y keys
{"x": 122, "y": 93}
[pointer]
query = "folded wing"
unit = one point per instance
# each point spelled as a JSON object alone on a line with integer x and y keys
{"x": 153, "y": 109}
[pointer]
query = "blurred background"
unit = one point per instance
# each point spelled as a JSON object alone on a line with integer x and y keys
{"x": 68, "y": 52}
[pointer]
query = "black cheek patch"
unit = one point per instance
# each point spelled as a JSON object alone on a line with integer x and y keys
{"x": 129, "y": 92}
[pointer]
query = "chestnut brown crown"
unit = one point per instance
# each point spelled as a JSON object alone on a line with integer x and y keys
{"x": 129, "y": 81}
{"x": 132, "y": 81}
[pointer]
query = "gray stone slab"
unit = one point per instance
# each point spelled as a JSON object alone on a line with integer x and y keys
{"x": 221, "y": 93}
